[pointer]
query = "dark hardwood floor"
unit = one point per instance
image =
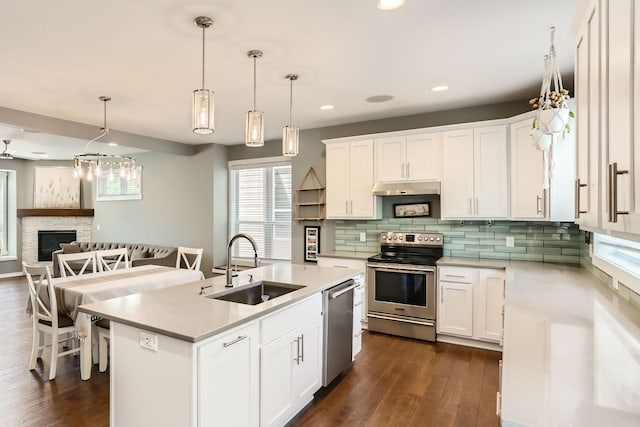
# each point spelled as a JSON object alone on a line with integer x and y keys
{"x": 394, "y": 382}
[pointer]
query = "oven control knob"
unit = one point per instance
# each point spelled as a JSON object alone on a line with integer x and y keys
{"x": 431, "y": 238}
{"x": 395, "y": 237}
{"x": 437, "y": 239}
{"x": 419, "y": 238}
{"x": 401, "y": 238}
{"x": 384, "y": 237}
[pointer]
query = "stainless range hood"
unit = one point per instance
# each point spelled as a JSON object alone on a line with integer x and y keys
{"x": 406, "y": 188}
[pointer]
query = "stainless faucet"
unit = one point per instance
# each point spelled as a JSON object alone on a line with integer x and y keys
{"x": 255, "y": 256}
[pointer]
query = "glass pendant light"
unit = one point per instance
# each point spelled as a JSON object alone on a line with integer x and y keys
{"x": 203, "y": 99}
{"x": 254, "y": 136}
{"x": 290, "y": 133}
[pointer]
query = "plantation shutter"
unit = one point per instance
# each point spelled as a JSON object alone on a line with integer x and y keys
{"x": 261, "y": 199}
{"x": 3, "y": 213}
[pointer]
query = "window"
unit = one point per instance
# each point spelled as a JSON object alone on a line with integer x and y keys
{"x": 119, "y": 188}
{"x": 619, "y": 258}
{"x": 260, "y": 206}
{"x": 4, "y": 232}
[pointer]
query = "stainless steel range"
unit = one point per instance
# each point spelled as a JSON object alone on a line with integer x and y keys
{"x": 402, "y": 284}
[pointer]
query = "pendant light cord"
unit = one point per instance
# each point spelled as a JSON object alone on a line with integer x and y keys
{"x": 203, "y": 28}
{"x": 254, "y": 82}
{"x": 290, "y": 102}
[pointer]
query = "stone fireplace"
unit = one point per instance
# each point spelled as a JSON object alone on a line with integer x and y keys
{"x": 50, "y": 240}
{"x": 79, "y": 221}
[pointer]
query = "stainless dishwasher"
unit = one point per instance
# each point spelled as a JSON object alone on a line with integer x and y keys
{"x": 338, "y": 330}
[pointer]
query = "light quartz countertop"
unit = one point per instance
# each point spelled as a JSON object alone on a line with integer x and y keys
{"x": 347, "y": 254}
{"x": 180, "y": 312}
{"x": 571, "y": 354}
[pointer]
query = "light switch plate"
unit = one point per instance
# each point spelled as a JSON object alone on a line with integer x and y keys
{"x": 363, "y": 236}
{"x": 510, "y": 242}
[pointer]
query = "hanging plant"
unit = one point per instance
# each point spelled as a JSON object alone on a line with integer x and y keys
{"x": 553, "y": 113}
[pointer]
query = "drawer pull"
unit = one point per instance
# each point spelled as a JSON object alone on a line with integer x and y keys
{"x": 230, "y": 343}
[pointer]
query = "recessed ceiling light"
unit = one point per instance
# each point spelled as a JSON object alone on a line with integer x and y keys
{"x": 439, "y": 88}
{"x": 379, "y": 98}
{"x": 327, "y": 107}
{"x": 112, "y": 144}
{"x": 29, "y": 130}
{"x": 389, "y": 4}
{"x": 41, "y": 154}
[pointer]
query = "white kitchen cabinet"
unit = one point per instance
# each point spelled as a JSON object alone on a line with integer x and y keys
{"x": 474, "y": 178}
{"x": 350, "y": 176}
{"x": 228, "y": 379}
{"x": 471, "y": 303}
{"x": 455, "y": 308}
{"x": 488, "y": 303}
{"x": 529, "y": 199}
{"x": 409, "y": 158}
{"x": 290, "y": 360}
{"x": 588, "y": 119}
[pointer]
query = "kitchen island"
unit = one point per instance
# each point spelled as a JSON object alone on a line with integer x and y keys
{"x": 181, "y": 358}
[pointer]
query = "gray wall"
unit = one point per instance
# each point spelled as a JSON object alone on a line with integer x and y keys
{"x": 312, "y": 151}
{"x": 184, "y": 204}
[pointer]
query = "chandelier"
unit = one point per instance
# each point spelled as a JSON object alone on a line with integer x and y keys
{"x": 92, "y": 165}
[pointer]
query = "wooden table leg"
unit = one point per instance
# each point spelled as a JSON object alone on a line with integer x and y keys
{"x": 83, "y": 325}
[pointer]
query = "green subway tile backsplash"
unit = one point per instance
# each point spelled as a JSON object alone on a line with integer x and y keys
{"x": 534, "y": 240}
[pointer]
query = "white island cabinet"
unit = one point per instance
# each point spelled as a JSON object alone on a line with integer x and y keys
{"x": 185, "y": 356}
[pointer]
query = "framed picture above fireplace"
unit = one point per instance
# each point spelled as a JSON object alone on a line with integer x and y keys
{"x": 55, "y": 187}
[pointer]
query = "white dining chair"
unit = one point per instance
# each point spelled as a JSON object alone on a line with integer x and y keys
{"x": 89, "y": 265}
{"x": 46, "y": 318}
{"x": 102, "y": 328}
{"x": 110, "y": 259}
{"x": 185, "y": 253}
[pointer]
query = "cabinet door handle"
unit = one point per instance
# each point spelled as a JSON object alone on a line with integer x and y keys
{"x": 470, "y": 207}
{"x": 538, "y": 210}
{"x": 441, "y": 297}
{"x": 297, "y": 358}
{"x": 545, "y": 199}
{"x": 346, "y": 207}
{"x": 577, "y": 198}
{"x": 351, "y": 207}
{"x": 301, "y": 356}
{"x": 613, "y": 192}
{"x": 455, "y": 275}
{"x": 230, "y": 343}
{"x": 408, "y": 170}
{"x": 402, "y": 169}
{"x": 476, "y": 206}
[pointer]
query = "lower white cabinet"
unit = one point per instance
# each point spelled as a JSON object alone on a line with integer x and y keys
{"x": 291, "y": 363}
{"x": 358, "y": 299}
{"x": 228, "y": 379}
{"x": 471, "y": 303}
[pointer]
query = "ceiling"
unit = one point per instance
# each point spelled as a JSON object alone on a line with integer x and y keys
{"x": 58, "y": 57}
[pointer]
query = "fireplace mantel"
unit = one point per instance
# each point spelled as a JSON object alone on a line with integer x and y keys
{"x": 54, "y": 212}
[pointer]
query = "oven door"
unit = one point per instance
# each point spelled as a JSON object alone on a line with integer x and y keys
{"x": 402, "y": 290}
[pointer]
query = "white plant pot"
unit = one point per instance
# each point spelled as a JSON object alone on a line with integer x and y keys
{"x": 553, "y": 120}
{"x": 542, "y": 141}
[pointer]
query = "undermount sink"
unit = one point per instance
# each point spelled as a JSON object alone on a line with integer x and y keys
{"x": 257, "y": 293}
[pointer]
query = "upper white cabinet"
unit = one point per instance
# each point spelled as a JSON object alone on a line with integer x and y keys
{"x": 350, "y": 175}
{"x": 474, "y": 178}
{"x": 529, "y": 197}
{"x": 409, "y": 158}
{"x": 588, "y": 122}
{"x": 607, "y": 88}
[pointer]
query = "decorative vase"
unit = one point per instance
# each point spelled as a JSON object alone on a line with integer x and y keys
{"x": 553, "y": 120}
{"x": 542, "y": 141}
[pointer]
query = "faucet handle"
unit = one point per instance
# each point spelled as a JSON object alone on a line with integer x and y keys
{"x": 250, "y": 278}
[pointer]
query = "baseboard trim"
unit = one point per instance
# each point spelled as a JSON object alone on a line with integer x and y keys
{"x": 468, "y": 342}
{"x": 14, "y": 274}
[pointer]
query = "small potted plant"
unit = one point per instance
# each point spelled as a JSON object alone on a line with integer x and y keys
{"x": 552, "y": 118}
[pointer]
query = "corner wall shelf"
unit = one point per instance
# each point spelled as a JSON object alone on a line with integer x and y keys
{"x": 310, "y": 198}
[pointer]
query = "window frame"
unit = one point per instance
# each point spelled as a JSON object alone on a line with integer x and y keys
{"x": 250, "y": 164}
{"x": 617, "y": 271}
{"x": 11, "y": 218}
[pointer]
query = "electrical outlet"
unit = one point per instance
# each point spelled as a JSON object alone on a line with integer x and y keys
{"x": 510, "y": 242}
{"x": 149, "y": 341}
{"x": 363, "y": 236}
{"x": 98, "y": 227}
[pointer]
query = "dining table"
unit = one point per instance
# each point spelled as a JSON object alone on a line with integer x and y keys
{"x": 73, "y": 291}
